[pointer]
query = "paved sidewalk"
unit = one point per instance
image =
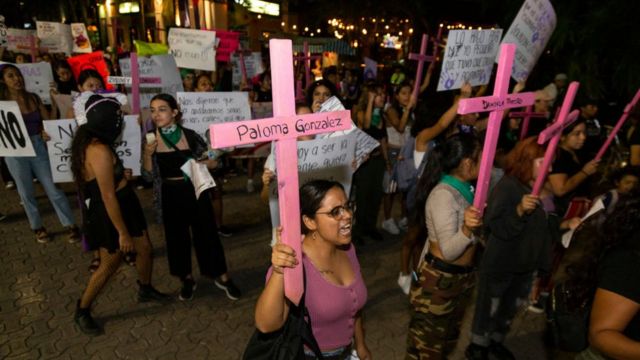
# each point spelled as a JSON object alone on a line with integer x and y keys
{"x": 41, "y": 283}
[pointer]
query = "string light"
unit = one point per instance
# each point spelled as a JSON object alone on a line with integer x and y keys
{"x": 364, "y": 31}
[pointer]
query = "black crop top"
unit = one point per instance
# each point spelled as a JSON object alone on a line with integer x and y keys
{"x": 169, "y": 163}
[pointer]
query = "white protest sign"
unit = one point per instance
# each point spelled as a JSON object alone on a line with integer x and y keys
{"x": 253, "y": 64}
{"x": 365, "y": 144}
{"x": 54, "y": 37}
{"x": 193, "y": 49}
{"x": 37, "y": 79}
{"x": 156, "y": 66}
{"x": 61, "y": 132}
{"x": 530, "y": 31}
{"x": 19, "y": 40}
{"x": 468, "y": 57}
{"x": 81, "y": 43}
{"x": 201, "y": 109}
{"x": 328, "y": 159}
{"x": 14, "y": 138}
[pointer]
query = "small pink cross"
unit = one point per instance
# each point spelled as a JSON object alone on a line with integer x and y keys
{"x": 623, "y": 118}
{"x": 526, "y": 116}
{"x": 306, "y": 57}
{"x": 496, "y": 104}
{"x": 421, "y": 58}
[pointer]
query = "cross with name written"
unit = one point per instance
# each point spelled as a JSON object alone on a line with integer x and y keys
{"x": 553, "y": 133}
{"x": 496, "y": 104}
{"x": 283, "y": 129}
{"x": 421, "y": 58}
{"x": 306, "y": 57}
{"x": 623, "y": 118}
{"x": 526, "y": 116}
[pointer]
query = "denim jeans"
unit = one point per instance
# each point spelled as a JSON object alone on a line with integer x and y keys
{"x": 23, "y": 169}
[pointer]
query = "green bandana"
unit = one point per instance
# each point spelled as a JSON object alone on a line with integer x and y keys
{"x": 464, "y": 188}
{"x": 171, "y": 135}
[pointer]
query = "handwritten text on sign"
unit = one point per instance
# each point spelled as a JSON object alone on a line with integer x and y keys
{"x": 14, "y": 138}
{"x": 493, "y": 103}
{"x": 156, "y": 66}
{"x": 193, "y": 49}
{"x": 54, "y": 37}
{"x": 253, "y": 64}
{"x": 127, "y": 146}
{"x": 469, "y": 57}
{"x": 530, "y": 31}
{"x": 37, "y": 79}
{"x": 19, "y": 40}
{"x": 200, "y": 109}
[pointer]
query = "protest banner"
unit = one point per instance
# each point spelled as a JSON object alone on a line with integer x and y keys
{"x": 530, "y": 31}
{"x": 193, "y": 49}
{"x": 327, "y": 159}
{"x": 156, "y": 66}
{"x": 61, "y": 132}
{"x": 19, "y": 40}
{"x": 95, "y": 61}
{"x": 252, "y": 64}
{"x": 14, "y": 138}
{"x": 37, "y": 79}
{"x": 81, "y": 42}
{"x": 54, "y": 37}
{"x": 229, "y": 41}
{"x": 201, "y": 109}
{"x": 468, "y": 57}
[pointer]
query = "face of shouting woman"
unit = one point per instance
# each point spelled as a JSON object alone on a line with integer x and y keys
{"x": 332, "y": 221}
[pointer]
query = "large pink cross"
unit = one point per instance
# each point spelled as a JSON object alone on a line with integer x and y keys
{"x": 526, "y": 116}
{"x": 283, "y": 129}
{"x": 421, "y": 58}
{"x": 306, "y": 57}
{"x": 623, "y": 118}
{"x": 553, "y": 133}
{"x": 496, "y": 104}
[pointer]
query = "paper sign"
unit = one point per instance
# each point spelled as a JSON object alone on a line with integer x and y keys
{"x": 328, "y": 159}
{"x": 261, "y": 110}
{"x": 64, "y": 103}
{"x": 193, "y": 49}
{"x": 468, "y": 57}
{"x": 365, "y": 144}
{"x": 119, "y": 80}
{"x": 370, "y": 69}
{"x": 148, "y": 49}
{"x": 19, "y": 40}
{"x": 229, "y": 41}
{"x": 127, "y": 146}
{"x": 95, "y": 61}
{"x": 156, "y": 66}
{"x": 54, "y": 37}
{"x": 201, "y": 109}
{"x": 253, "y": 64}
{"x": 14, "y": 138}
{"x": 568, "y": 236}
{"x": 37, "y": 79}
{"x": 81, "y": 43}
{"x": 530, "y": 31}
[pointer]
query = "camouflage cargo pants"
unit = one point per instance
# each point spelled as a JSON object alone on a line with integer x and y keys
{"x": 439, "y": 300}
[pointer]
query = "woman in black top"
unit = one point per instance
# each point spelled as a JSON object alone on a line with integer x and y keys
{"x": 113, "y": 219}
{"x": 185, "y": 217}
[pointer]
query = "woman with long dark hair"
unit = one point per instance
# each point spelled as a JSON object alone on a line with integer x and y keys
{"x": 113, "y": 219}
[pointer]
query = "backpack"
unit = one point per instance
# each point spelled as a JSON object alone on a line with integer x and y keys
{"x": 406, "y": 173}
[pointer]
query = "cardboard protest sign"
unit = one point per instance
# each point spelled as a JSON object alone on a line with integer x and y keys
{"x": 37, "y": 79}
{"x": 530, "y": 31}
{"x": 148, "y": 49}
{"x": 229, "y": 41}
{"x": 252, "y": 64}
{"x": 19, "y": 40}
{"x": 193, "y": 49}
{"x": 201, "y": 109}
{"x": 81, "y": 43}
{"x": 156, "y": 66}
{"x": 468, "y": 57}
{"x": 95, "y": 61}
{"x": 127, "y": 146}
{"x": 14, "y": 138}
{"x": 370, "y": 69}
{"x": 327, "y": 158}
{"x": 54, "y": 37}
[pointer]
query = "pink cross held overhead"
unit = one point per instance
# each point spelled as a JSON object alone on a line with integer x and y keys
{"x": 553, "y": 133}
{"x": 306, "y": 57}
{"x": 283, "y": 129}
{"x": 436, "y": 43}
{"x": 421, "y": 58}
{"x": 526, "y": 116}
{"x": 496, "y": 104}
{"x": 623, "y": 118}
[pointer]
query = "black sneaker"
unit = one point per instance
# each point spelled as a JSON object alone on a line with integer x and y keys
{"x": 224, "y": 231}
{"x": 85, "y": 321}
{"x": 476, "y": 352}
{"x": 148, "y": 293}
{"x": 230, "y": 288}
{"x": 500, "y": 352}
{"x": 188, "y": 287}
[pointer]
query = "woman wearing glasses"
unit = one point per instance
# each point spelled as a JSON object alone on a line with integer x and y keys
{"x": 335, "y": 292}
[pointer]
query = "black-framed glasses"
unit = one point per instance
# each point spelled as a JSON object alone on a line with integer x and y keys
{"x": 338, "y": 212}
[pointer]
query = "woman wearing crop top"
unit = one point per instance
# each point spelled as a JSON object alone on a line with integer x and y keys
{"x": 185, "y": 217}
{"x": 23, "y": 169}
{"x": 335, "y": 291}
{"x": 113, "y": 219}
{"x": 446, "y": 274}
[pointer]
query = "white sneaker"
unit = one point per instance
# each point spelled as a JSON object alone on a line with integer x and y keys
{"x": 403, "y": 224}
{"x": 390, "y": 226}
{"x": 404, "y": 281}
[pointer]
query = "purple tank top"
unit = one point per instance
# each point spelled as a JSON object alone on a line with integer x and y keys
{"x": 33, "y": 122}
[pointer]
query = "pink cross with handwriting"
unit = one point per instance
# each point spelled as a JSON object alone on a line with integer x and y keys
{"x": 623, "y": 118}
{"x": 283, "y": 129}
{"x": 496, "y": 104}
{"x": 307, "y": 57}
{"x": 526, "y": 116}
{"x": 421, "y": 58}
{"x": 553, "y": 133}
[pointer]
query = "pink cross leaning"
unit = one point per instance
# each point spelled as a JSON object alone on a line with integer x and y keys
{"x": 421, "y": 58}
{"x": 496, "y": 104}
{"x": 623, "y": 118}
{"x": 136, "y": 80}
{"x": 526, "y": 116}
{"x": 306, "y": 57}
{"x": 283, "y": 129}
{"x": 553, "y": 133}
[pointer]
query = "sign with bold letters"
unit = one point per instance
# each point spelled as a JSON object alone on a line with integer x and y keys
{"x": 14, "y": 138}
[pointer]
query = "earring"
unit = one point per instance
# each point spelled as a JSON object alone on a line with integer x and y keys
{"x": 314, "y": 235}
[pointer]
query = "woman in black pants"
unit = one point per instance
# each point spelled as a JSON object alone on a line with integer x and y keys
{"x": 185, "y": 217}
